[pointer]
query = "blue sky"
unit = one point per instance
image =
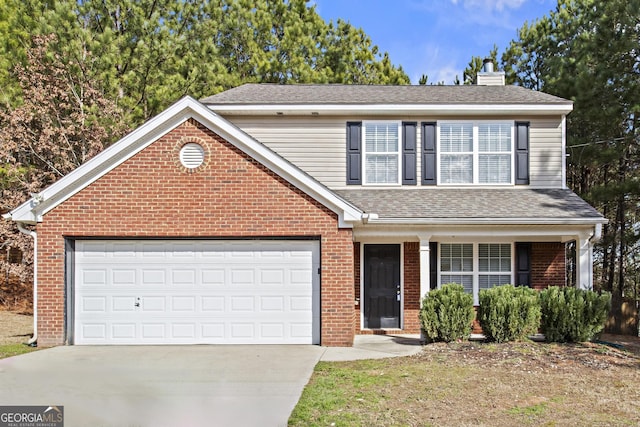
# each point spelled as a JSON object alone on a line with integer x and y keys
{"x": 436, "y": 37}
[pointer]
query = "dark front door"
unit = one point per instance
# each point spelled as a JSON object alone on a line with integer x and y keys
{"x": 381, "y": 286}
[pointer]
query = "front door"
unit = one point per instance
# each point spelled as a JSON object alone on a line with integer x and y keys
{"x": 381, "y": 286}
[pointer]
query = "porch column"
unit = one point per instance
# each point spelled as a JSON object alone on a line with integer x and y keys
{"x": 425, "y": 270}
{"x": 584, "y": 253}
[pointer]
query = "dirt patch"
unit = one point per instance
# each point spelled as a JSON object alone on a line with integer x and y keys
{"x": 15, "y": 328}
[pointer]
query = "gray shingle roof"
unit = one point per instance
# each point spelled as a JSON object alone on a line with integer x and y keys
{"x": 471, "y": 203}
{"x": 274, "y": 94}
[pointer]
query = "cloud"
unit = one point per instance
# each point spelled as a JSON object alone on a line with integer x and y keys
{"x": 437, "y": 63}
{"x": 489, "y": 5}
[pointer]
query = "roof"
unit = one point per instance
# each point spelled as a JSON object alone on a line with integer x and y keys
{"x": 32, "y": 210}
{"x": 301, "y": 94}
{"x": 474, "y": 205}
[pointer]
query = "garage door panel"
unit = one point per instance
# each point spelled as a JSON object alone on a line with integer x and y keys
{"x": 123, "y": 331}
{"x": 166, "y": 292}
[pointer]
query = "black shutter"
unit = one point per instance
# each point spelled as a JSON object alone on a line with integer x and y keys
{"x": 429, "y": 160}
{"x": 522, "y": 153}
{"x": 433, "y": 265}
{"x": 354, "y": 153}
{"x": 409, "y": 155}
{"x": 523, "y": 264}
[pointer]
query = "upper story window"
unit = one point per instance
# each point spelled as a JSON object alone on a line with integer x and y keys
{"x": 381, "y": 152}
{"x": 475, "y": 152}
{"x": 462, "y": 152}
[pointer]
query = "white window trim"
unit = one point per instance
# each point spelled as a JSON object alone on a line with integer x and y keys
{"x": 476, "y": 152}
{"x": 364, "y": 153}
{"x": 476, "y": 264}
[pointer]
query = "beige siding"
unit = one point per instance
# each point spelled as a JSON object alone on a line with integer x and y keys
{"x": 317, "y": 144}
{"x": 546, "y": 155}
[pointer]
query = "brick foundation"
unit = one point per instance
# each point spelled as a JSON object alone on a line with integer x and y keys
{"x": 231, "y": 195}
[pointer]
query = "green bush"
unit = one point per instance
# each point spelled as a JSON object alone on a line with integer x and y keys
{"x": 573, "y": 315}
{"x": 509, "y": 313}
{"x": 447, "y": 313}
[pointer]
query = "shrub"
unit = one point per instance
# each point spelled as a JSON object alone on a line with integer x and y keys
{"x": 509, "y": 313}
{"x": 573, "y": 315}
{"x": 447, "y": 313}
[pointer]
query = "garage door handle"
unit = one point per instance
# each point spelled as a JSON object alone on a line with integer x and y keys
{"x": 137, "y": 304}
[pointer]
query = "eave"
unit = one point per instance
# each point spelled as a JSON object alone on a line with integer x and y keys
{"x": 397, "y": 109}
{"x": 32, "y": 211}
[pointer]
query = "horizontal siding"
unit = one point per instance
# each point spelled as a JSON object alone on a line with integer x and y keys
{"x": 317, "y": 145}
{"x": 546, "y": 154}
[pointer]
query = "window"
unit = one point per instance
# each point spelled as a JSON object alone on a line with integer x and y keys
{"x": 456, "y": 160}
{"x": 458, "y": 265}
{"x": 381, "y": 152}
{"x": 494, "y": 265}
{"x": 476, "y": 153}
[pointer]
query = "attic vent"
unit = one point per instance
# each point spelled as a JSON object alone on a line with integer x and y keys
{"x": 191, "y": 155}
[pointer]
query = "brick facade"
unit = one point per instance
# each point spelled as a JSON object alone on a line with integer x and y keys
{"x": 548, "y": 265}
{"x": 231, "y": 195}
{"x": 411, "y": 287}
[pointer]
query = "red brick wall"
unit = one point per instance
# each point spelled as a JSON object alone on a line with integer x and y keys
{"x": 231, "y": 195}
{"x": 547, "y": 265}
{"x": 411, "y": 287}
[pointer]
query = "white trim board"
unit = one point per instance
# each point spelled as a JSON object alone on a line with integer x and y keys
{"x": 187, "y": 108}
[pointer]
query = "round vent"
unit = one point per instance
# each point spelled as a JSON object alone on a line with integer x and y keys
{"x": 191, "y": 155}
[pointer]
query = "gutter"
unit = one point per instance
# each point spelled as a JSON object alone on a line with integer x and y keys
{"x": 34, "y": 339}
{"x": 373, "y": 218}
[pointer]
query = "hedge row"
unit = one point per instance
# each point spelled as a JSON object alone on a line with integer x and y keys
{"x": 508, "y": 313}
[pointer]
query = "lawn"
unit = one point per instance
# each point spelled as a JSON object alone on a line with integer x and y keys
{"x": 471, "y": 384}
{"x": 9, "y": 350}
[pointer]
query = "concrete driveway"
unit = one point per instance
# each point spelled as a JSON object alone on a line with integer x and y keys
{"x": 162, "y": 385}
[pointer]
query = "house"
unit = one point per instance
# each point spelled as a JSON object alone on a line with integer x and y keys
{"x": 307, "y": 214}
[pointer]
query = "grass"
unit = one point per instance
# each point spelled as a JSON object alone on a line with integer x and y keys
{"x": 507, "y": 384}
{"x": 9, "y": 350}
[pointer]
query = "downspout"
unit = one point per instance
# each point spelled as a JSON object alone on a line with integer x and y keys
{"x": 34, "y": 339}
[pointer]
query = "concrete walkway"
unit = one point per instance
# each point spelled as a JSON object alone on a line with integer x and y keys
{"x": 374, "y": 347}
{"x": 177, "y": 385}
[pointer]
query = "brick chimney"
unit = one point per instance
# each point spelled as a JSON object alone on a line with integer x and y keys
{"x": 488, "y": 77}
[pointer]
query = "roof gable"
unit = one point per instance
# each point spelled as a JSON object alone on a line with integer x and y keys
{"x": 183, "y": 110}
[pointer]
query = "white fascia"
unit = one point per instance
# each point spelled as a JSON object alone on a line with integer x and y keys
{"x": 495, "y": 232}
{"x": 411, "y": 109}
{"x": 487, "y": 221}
{"x": 32, "y": 211}
{"x": 564, "y": 151}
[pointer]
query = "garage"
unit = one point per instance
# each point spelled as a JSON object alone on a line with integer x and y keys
{"x": 195, "y": 292}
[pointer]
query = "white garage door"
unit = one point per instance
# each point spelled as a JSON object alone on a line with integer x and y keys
{"x": 196, "y": 292}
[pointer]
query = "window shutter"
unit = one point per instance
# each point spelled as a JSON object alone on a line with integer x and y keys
{"x": 354, "y": 153}
{"x": 429, "y": 175}
{"x": 409, "y": 154}
{"x": 522, "y": 153}
{"x": 523, "y": 264}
